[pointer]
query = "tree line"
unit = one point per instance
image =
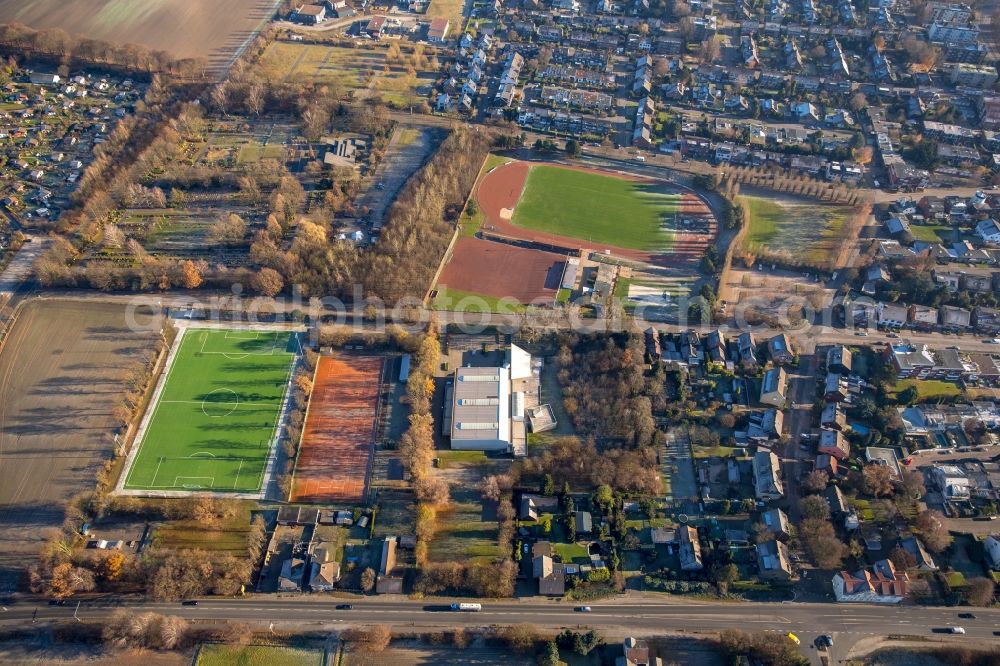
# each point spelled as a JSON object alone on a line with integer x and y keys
{"x": 60, "y": 47}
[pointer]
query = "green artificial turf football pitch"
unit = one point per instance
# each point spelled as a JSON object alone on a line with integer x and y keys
{"x": 597, "y": 208}
{"x": 214, "y": 421}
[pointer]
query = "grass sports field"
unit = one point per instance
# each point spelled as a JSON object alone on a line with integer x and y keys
{"x": 805, "y": 229}
{"x": 214, "y": 421}
{"x": 596, "y": 207}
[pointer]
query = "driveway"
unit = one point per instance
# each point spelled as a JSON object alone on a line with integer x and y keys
{"x": 20, "y": 267}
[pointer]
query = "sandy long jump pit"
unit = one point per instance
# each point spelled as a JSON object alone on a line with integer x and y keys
{"x": 339, "y": 436}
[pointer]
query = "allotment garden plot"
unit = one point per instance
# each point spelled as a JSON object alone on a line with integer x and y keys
{"x": 364, "y": 72}
{"x": 214, "y": 420}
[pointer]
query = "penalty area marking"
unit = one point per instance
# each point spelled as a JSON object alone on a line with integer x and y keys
{"x": 193, "y": 486}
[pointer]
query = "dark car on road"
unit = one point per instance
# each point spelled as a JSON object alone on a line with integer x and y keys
{"x": 189, "y": 602}
{"x": 345, "y": 606}
{"x": 967, "y": 616}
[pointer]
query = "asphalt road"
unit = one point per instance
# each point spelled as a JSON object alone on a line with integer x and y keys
{"x": 847, "y": 623}
{"x": 806, "y": 337}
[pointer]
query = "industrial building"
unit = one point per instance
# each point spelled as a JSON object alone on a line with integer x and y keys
{"x": 487, "y": 406}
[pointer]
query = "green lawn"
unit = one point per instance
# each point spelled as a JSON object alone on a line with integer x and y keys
{"x": 451, "y": 10}
{"x": 596, "y": 208}
{"x": 766, "y": 218}
{"x": 472, "y": 223}
{"x": 571, "y": 552}
{"x": 929, "y": 389}
{"x": 713, "y": 451}
{"x": 214, "y": 422}
{"x": 807, "y": 230}
{"x": 467, "y": 301}
{"x": 456, "y": 456}
{"x": 257, "y": 655}
{"x": 932, "y": 233}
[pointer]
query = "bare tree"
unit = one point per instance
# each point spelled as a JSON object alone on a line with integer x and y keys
{"x": 220, "y": 97}
{"x": 255, "y": 98}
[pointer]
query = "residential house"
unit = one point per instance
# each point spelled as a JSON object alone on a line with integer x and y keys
{"x": 952, "y": 481}
{"x": 922, "y": 559}
{"x": 922, "y": 317}
{"x": 774, "y": 387}
{"x": 767, "y": 425}
{"x": 955, "y": 318}
{"x": 551, "y": 576}
{"x": 986, "y": 320}
{"x": 689, "y": 548}
{"x": 387, "y": 581}
{"x": 584, "y": 522}
{"x": 292, "y": 571}
{"x": 885, "y": 457}
{"x": 992, "y": 545}
{"x": 779, "y": 348}
{"x": 833, "y": 442}
{"x": 768, "y": 485}
{"x": 891, "y": 315}
{"x": 827, "y": 463}
{"x": 777, "y": 524}
{"x": 636, "y": 653}
{"x": 533, "y": 505}
{"x": 989, "y": 231}
{"x": 324, "y": 575}
{"x": 881, "y": 584}
{"x": 375, "y": 27}
{"x": 833, "y": 417}
{"x": 311, "y": 14}
{"x": 773, "y": 561}
{"x": 835, "y": 389}
{"x": 839, "y": 359}
{"x": 437, "y": 31}
{"x": 838, "y": 503}
{"x": 925, "y": 363}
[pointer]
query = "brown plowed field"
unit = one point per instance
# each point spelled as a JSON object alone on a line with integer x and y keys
{"x": 185, "y": 28}
{"x": 501, "y": 188}
{"x": 339, "y": 432}
{"x": 62, "y": 371}
{"x": 499, "y": 270}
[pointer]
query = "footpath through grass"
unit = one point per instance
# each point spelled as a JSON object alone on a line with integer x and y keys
{"x": 213, "y": 425}
{"x": 596, "y": 208}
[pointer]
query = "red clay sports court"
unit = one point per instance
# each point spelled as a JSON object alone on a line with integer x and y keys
{"x": 339, "y": 436}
